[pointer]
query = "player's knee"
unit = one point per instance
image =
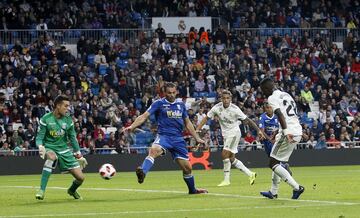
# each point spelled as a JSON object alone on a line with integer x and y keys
{"x": 187, "y": 170}
{"x": 80, "y": 178}
{"x": 273, "y": 162}
{"x": 51, "y": 156}
{"x": 155, "y": 151}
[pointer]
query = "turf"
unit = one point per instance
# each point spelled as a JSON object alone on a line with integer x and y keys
{"x": 330, "y": 192}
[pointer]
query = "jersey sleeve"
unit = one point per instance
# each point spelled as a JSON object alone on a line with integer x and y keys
{"x": 72, "y": 137}
{"x": 211, "y": 113}
{"x": 41, "y": 133}
{"x": 274, "y": 102}
{"x": 154, "y": 107}
{"x": 239, "y": 114}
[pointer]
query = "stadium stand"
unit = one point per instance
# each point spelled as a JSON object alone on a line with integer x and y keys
{"x": 265, "y": 39}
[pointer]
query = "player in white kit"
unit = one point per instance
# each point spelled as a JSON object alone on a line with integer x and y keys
{"x": 229, "y": 117}
{"x": 289, "y": 135}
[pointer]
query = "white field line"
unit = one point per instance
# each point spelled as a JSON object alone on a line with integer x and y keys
{"x": 181, "y": 192}
{"x": 163, "y": 211}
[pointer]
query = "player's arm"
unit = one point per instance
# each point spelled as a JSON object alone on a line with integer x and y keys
{"x": 283, "y": 124}
{"x": 75, "y": 145}
{"x": 138, "y": 121}
{"x": 39, "y": 141}
{"x": 253, "y": 125}
{"x": 72, "y": 137}
{"x": 202, "y": 123}
{"x": 190, "y": 127}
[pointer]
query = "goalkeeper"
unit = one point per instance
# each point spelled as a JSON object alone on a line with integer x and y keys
{"x": 56, "y": 129}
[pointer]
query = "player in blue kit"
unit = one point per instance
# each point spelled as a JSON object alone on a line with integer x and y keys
{"x": 269, "y": 123}
{"x": 172, "y": 117}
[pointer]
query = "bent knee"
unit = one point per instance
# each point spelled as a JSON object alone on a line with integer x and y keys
{"x": 50, "y": 155}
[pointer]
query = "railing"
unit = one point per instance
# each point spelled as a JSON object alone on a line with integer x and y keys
{"x": 71, "y": 36}
{"x": 334, "y": 34}
{"x": 136, "y": 150}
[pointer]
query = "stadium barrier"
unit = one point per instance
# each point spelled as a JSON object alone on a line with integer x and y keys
{"x": 71, "y": 36}
{"x": 334, "y": 34}
{"x": 18, "y": 165}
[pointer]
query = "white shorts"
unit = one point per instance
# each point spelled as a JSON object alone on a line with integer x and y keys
{"x": 282, "y": 149}
{"x": 231, "y": 144}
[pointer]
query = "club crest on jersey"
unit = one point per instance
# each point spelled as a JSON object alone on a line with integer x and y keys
{"x": 174, "y": 114}
{"x": 178, "y": 106}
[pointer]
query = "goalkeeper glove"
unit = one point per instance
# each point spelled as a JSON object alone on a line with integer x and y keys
{"x": 82, "y": 161}
{"x": 42, "y": 151}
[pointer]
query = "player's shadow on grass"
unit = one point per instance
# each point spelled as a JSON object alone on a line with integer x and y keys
{"x": 99, "y": 200}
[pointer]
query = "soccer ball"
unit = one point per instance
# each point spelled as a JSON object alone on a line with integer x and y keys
{"x": 107, "y": 171}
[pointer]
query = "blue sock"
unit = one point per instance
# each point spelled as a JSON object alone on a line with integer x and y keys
{"x": 190, "y": 182}
{"x": 147, "y": 164}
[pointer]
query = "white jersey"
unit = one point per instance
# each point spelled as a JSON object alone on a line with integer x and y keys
{"x": 286, "y": 104}
{"x": 228, "y": 118}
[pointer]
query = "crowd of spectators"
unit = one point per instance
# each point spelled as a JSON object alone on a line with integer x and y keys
{"x": 89, "y": 14}
{"x": 112, "y": 80}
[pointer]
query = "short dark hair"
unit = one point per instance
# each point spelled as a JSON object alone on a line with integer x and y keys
{"x": 60, "y": 98}
{"x": 169, "y": 85}
{"x": 266, "y": 81}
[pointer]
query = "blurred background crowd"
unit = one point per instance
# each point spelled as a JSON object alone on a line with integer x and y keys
{"x": 112, "y": 79}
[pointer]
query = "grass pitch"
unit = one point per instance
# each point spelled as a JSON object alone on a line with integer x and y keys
{"x": 330, "y": 192}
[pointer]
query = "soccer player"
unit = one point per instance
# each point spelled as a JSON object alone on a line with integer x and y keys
{"x": 56, "y": 129}
{"x": 269, "y": 124}
{"x": 171, "y": 116}
{"x": 289, "y": 135}
{"x": 229, "y": 115}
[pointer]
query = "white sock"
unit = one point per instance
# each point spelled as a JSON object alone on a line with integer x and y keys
{"x": 285, "y": 175}
{"x": 275, "y": 183}
{"x": 238, "y": 164}
{"x": 227, "y": 167}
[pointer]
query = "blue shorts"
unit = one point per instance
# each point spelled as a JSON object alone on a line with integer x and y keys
{"x": 268, "y": 146}
{"x": 174, "y": 144}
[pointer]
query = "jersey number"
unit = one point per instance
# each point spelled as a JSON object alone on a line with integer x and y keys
{"x": 291, "y": 109}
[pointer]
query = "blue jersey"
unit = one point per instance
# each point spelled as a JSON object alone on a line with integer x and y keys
{"x": 270, "y": 124}
{"x": 170, "y": 116}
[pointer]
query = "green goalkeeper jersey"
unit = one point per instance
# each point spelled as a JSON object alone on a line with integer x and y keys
{"x": 55, "y": 134}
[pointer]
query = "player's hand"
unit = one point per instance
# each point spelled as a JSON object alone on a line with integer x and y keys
{"x": 290, "y": 138}
{"x": 42, "y": 151}
{"x": 263, "y": 136}
{"x": 81, "y": 160}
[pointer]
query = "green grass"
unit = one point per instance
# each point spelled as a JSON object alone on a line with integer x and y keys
{"x": 330, "y": 192}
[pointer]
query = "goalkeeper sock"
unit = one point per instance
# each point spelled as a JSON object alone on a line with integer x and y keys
{"x": 75, "y": 184}
{"x": 47, "y": 169}
{"x": 190, "y": 182}
{"x": 147, "y": 164}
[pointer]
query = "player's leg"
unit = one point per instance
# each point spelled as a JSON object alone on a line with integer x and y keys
{"x": 231, "y": 148}
{"x": 188, "y": 177}
{"x": 281, "y": 152}
{"x": 68, "y": 163}
{"x": 268, "y": 147}
{"x": 78, "y": 181}
{"x": 155, "y": 151}
{"x": 49, "y": 165}
{"x": 225, "y": 155}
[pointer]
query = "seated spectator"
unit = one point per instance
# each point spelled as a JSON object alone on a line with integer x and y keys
{"x": 100, "y": 59}
{"x": 333, "y": 142}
